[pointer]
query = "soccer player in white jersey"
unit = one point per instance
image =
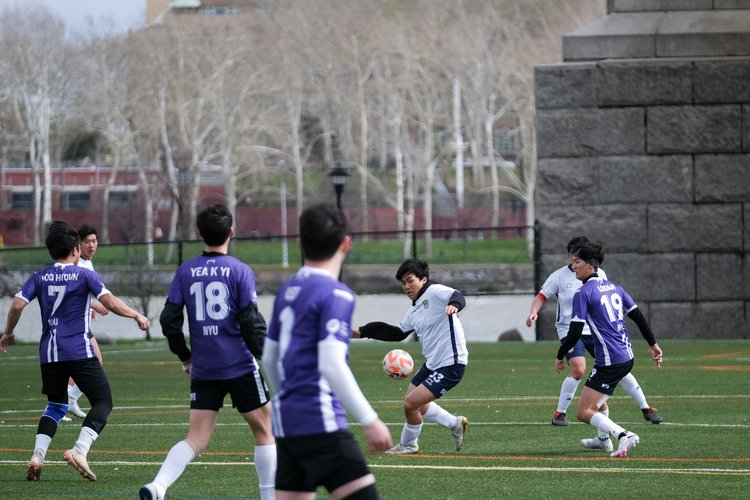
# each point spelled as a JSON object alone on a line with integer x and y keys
{"x": 433, "y": 317}
{"x": 226, "y": 335}
{"x": 603, "y": 305}
{"x": 563, "y": 284}
{"x": 64, "y": 293}
{"x": 306, "y": 359}
{"x": 89, "y": 244}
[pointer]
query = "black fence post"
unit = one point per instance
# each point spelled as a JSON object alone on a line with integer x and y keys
{"x": 413, "y": 243}
{"x": 537, "y": 269}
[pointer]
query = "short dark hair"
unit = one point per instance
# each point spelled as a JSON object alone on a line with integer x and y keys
{"x": 591, "y": 253}
{"x": 62, "y": 238}
{"x": 322, "y": 228}
{"x": 418, "y": 268}
{"x": 214, "y": 224}
{"x": 86, "y": 230}
{"x": 575, "y": 243}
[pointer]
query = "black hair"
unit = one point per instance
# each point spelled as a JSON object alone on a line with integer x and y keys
{"x": 591, "y": 253}
{"x": 418, "y": 268}
{"x": 576, "y": 243}
{"x": 214, "y": 224}
{"x": 322, "y": 228}
{"x": 62, "y": 238}
{"x": 86, "y": 230}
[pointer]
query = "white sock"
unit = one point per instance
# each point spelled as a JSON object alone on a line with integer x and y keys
{"x": 567, "y": 393}
{"x": 74, "y": 393}
{"x": 603, "y": 436}
{"x": 42, "y": 444}
{"x": 630, "y": 384}
{"x": 85, "y": 439}
{"x": 605, "y": 424}
{"x": 410, "y": 434}
{"x": 436, "y": 413}
{"x": 265, "y": 467}
{"x": 177, "y": 459}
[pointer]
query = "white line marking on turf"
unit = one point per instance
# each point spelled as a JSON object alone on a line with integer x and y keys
{"x": 490, "y": 468}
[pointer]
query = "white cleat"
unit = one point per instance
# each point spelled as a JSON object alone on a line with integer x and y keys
{"x": 628, "y": 441}
{"x": 598, "y": 443}
{"x": 459, "y": 430}
{"x": 74, "y": 409}
{"x": 34, "y": 467}
{"x": 78, "y": 460}
{"x": 403, "y": 449}
{"x": 150, "y": 492}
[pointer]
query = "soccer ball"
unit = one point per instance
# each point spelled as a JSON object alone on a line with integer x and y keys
{"x": 398, "y": 364}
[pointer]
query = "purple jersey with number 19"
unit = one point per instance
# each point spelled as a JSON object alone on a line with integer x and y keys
{"x": 214, "y": 288}
{"x": 603, "y": 306}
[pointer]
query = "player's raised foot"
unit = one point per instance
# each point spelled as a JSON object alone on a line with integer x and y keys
{"x": 150, "y": 491}
{"x": 77, "y": 459}
{"x": 34, "y": 467}
{"x": 74, "y": 409}
{"x": 558, "y": 418}
{"x": 651, "y": 415}
{"x": 598, "y": 443}
{"x": 458, "y": 431}
{"x": 627, "y": 442}
{"x": 403, "y": 449}
{"x": 66, "y": 419}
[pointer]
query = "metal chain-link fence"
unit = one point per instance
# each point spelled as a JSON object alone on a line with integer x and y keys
{"x": 493, "y": 267}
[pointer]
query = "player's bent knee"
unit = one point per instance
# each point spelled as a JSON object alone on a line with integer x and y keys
{"x": 55, "y": 411}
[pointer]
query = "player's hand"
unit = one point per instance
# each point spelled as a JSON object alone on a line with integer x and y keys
{"x": 378, "y": 436}
{"x": 451, "y": 309}
{"x": 559, "y": 365}
{"x": 187, "y": 367}
{"x": 7, "y": 339}
{"x": 143, "y": 322}
{"x": 356, "y": 334}
{"x": 656, "y": 354}
{"x": 100, "y": 309}
{"x": 532, "y": 317}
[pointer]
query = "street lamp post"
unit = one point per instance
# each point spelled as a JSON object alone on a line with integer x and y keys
{"x": 339, "y": 175}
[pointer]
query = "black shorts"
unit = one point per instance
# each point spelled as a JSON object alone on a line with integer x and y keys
{"x": 439, "y": 381}
{"x": 306, "y": 462}
{"x": 87, "y": 373}
{"x": 604, "y": 379}
{"x": 248, "y": 393}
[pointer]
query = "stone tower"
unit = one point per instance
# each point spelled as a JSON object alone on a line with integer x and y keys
{"x": 643, "y": 137}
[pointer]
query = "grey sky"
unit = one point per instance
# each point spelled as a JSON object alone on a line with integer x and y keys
{"x": 124, "y": 14}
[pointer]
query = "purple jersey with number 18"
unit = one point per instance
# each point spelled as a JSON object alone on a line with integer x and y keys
{"x": 214, "y": 288}
{"x": 603, "y": 306}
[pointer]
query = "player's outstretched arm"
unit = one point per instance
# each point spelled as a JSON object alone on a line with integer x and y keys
{"x": 637, "y": 316}
{"x": 14, "y": 314}
{"x": 117, "y": 306}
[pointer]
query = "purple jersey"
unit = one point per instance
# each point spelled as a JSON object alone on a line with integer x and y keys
{"x": 603, "y": 306}
{"x": 64, "y": 293}
{"x": 214, "y": 288}
{"x": 311, "y": 307}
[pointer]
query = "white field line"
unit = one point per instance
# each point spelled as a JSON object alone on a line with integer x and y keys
{"x": 489, "y": 468}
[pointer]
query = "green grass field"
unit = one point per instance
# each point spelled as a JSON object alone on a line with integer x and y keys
{"x": 702, "y": 450}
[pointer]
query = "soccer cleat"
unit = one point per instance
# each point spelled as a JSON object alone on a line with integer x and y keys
{"x": 598, "y": 443}
{"x": 34, "y": 467}
{"x": 558, "y": 418}
{"x": 66, "y": 419}
{"x": 75, "y": 409}
{"x": 458, "y": 431}
{"x": 628, "y": 441}
{"x": 651, "y": 415}
{"x": 403, "y": 449}
{"x": 78, "y": 460}
{"x": 150, "y": 492}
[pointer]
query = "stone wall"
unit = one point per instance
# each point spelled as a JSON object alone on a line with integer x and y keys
{"x": 644, "y": 144}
